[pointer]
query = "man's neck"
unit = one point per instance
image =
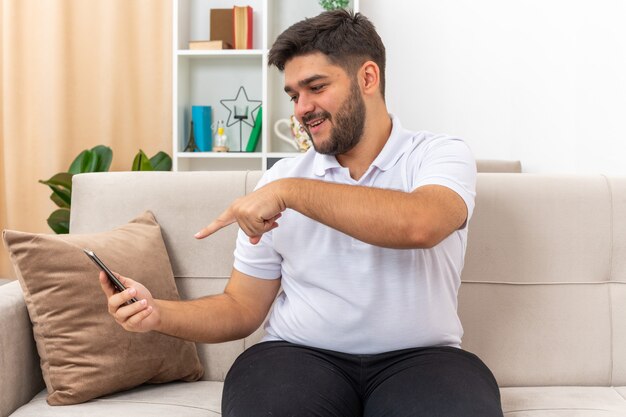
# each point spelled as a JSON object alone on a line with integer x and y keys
{"x": 376, "y": 132}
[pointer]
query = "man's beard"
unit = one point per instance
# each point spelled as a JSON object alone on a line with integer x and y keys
{"x": 348, "y": 124}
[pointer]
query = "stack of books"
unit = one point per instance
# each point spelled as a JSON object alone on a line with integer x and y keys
{"x": 229, "y": 28}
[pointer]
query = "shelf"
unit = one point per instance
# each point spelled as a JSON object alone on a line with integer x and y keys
{"x": 200, "y": 155}
{"x": 223, "y": 155}
{"x": 219, "y": 53}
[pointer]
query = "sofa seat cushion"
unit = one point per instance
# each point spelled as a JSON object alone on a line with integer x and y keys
{"x": 564, "y": 401}
{"x": 180, "y": 399}
{"x": 203, "y": 398}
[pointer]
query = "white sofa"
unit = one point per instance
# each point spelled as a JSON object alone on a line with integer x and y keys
{"x": 543, "y": 299}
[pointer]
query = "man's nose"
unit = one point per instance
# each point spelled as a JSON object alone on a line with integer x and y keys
{"x": 303, "y": 107}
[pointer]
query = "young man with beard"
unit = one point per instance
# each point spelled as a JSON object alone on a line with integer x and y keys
{"x": 366, "y": 234}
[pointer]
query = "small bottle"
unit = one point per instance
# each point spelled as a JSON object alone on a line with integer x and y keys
{"x": 220, "y": 138}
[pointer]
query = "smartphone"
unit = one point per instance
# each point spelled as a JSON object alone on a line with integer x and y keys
{"x": 112, "y": 278}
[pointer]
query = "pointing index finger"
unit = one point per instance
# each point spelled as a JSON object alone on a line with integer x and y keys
{"x": 222, "y": 221}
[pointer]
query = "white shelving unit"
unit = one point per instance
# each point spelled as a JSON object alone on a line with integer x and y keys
{"x": 206, "y": 77}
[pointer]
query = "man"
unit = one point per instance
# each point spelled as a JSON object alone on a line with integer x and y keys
{"x": 366, "y": 235}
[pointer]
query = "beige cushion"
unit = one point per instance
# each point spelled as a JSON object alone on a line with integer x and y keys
{"x": 563, "y": 402}
{"x": 184, "y": 202}
{"x": 177, "y": 399}
{"x": 544, "y": 284}
{"x": 536, "y": 228}
{"x": 204, "y": 399}
{"x": 84, "y": 353}
{"x": 539, "y": 334}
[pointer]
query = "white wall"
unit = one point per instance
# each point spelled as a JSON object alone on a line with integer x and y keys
{"x": 542, "y": 81}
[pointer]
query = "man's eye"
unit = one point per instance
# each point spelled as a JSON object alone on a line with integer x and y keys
{"x": 317, "y": 87}
{"x": 293, "y": 99}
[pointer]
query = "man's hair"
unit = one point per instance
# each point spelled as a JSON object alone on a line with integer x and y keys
{"x": 346, "y": 38}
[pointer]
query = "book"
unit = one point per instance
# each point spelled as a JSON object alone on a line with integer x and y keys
{"x": 255, "y": 134}
{"x": 221, "y": 26}
{"x": 242, "y": 27}
{"x": 209, "y": 45}
{"x": 201, "y": 118}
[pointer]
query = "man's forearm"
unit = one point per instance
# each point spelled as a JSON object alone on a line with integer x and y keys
{"x": 211, "y": 319}
{"x": 381, "y": 217}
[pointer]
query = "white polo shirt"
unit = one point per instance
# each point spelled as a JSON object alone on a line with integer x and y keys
{"x": 342, "y": 294}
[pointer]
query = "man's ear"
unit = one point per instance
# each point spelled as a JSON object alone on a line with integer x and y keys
{"x": 369, "y": 78}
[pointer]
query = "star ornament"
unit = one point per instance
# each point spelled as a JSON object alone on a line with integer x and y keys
{"x": 240, "y": 101}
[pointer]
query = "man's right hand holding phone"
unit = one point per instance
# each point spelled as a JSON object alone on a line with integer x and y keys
{"x": 142, "y": 316}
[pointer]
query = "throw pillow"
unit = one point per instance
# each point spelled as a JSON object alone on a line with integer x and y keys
{"x": 84, "y": 352}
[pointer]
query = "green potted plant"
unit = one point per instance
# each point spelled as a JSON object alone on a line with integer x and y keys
{"x": 96, "y": 159}
{"x": 334, "y": 4}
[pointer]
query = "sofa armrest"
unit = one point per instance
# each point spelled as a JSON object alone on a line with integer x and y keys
{"x": 20, "y": 374}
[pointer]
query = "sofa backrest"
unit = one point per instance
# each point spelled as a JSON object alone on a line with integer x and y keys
{"x": 498, "y": 165}
{"x": 543, "y": 298}
{"x": 183, "y": 203}
{"x": 544, "y": 283}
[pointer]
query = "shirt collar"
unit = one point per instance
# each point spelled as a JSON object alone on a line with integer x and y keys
{"x": 324, "y": 163}
{"x": 395, "y": 146}
{"x": 387, "y": 158}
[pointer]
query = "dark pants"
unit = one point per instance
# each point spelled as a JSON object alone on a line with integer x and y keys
{"x": 281, "y": 379}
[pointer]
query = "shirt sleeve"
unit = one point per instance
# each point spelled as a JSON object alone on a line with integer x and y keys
{"x": 260, "y": 260}
{"x": 449, "y": 162}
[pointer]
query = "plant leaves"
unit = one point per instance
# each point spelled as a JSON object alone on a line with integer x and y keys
{"x": 59, "y": 201}
{"x": 97, "y": 159}
{"x": 59, "y": 221}
{"x": 75, "y": 166}
{"x": 141, "y": 162}
{"x": 86, "y": 161}
{"x": 104, "y": 156}
{"x": 63, "y": 179}
{"x": 61, "y": 186}
{"x": 161, "y": 162}
{"x": 63, "y": 193}
{"x": 90, "y": 163}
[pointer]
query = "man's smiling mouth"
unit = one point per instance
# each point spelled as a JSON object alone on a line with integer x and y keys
{"x": 315, "y": 123}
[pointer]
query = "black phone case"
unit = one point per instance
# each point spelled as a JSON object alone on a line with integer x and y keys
{"x": 116, "y": 282}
